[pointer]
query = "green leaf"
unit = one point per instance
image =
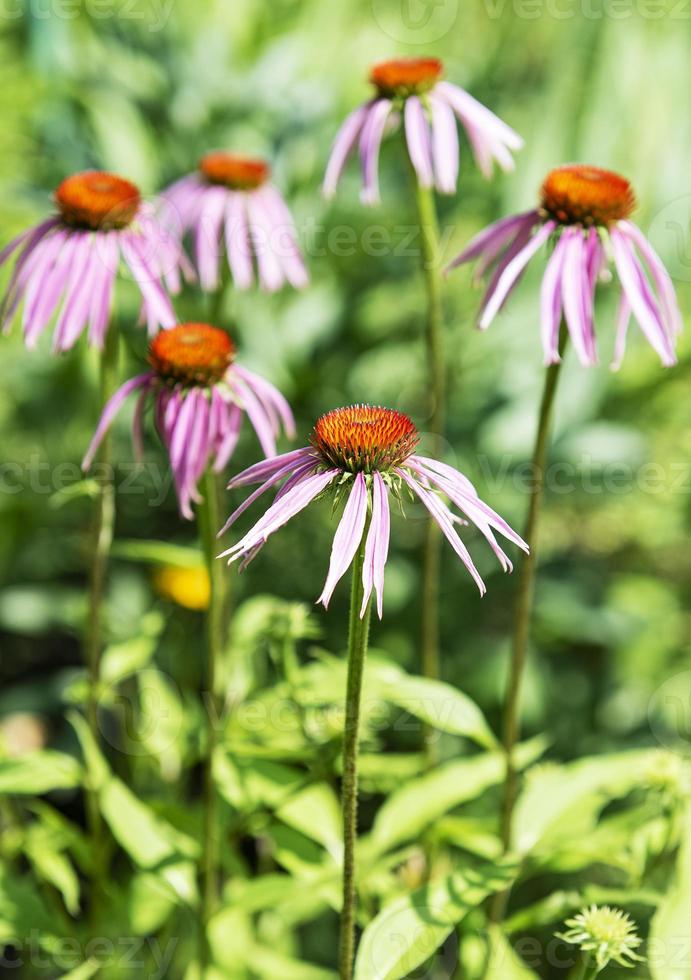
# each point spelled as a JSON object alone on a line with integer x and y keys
{"x": 670, "y": 931}
{"x": 315, "y": 811}
{"x": 148, "y": 839}
{"x": 159, "y": 553}
{"x": 124, "y": 659}
{"x": 504, "y": 963}
{"x": 441, "y": 706}
{"x": 560, "y": 802}
{"x": 83, "y": 972}
{"x": 409, "y": 930}
{"x": 420, "y": 802}
{"x": 52, "y": 866}
{"x": 268, "y": 964}
{"x": 40, "y": 772}
{"x": 248, "y": 784}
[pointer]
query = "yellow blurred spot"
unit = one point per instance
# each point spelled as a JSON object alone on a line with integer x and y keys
{"x": 188, "y": 587}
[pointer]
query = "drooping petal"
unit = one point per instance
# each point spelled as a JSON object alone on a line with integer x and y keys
{"x": 474, "y": 113}
{"x": 443, "y": 518}
{"x": 444, "y": 146}
{"x": 157, "y": 304}
{"x": 512, "y": 272}
{"x": 347, "y": 538}
{"x": 269, "y": 394}
{"x": 263, "y": 470}
{"x": 574, "y": 286}
{"x": 288, "y": 470}
{"x": 623, "y": 320}
{"x": 465, "y": 496}
{"x": 238, "y": 246}
{"x": 639, "y": 297}
{"x": 344, "y": 144}
{"x": 111, "y": 410}
{"x": 494, "y": 238}
{"x": 550, "y": 304}
{"x": 661, "y": 277}
{"x": 418, "y": 140}
{"x": 208, "y": 237}
{"x": 232, "y": 424}
{"x": 271, "y": 276}
{"x": 377, "y": 546}
{"x": 281, "y": 512}
{"x": 285, "y": 238}
{"x": 370, "y": 144}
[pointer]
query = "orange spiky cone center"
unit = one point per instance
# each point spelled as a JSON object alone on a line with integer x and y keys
{"x": 97, "y": 200}
{"x": 363, "y": 438}
{"x": 577, "y": 194}
{"x": 406, "y": 76}
{"x": 231, "y": 170}
{"x": 191, "y": 354}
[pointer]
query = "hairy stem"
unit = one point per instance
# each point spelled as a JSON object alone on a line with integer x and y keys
{"x": 216, "y": 629}
{"x": 101, "y": 542}
{"x": 357, "y": 649}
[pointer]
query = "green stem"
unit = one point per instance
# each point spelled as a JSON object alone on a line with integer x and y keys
{"x": 523, "y": 611}
{"x": 357, "y": 649}
{"x": 101, "y": 542}
{"x": 217, "y": 298}
{"x": 216, "y": 628}
{"x": 436, "y": 388}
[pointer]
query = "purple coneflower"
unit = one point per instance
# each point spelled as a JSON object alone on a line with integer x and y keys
{"x": 229, "y": 205}
{"x": 429, "y": 105}
{"x": 366, "y": 453}
{"x": 200, "y": 396}
{"x": 70, "y": 261}
{"x": 584, "y": 212}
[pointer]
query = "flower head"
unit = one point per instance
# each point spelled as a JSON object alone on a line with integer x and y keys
{"x": 67, "y": 265}
{"x": 414, "y": 87}
{"x": 230, "y": 206}
{"x": 606, "y": 933}
{"x": 584, "y": 213}
{"x": 366, "y": 453}
{"x": 199, "y": 396}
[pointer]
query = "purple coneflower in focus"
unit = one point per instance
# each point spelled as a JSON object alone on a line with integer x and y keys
{"x": 584, "y": 212}
{"x": 414, "y": 87}
{"x": 229, "y": 205}
{"x": 70, "y": 261}
{"x": 200, "y": 396}
{"x": 365, "y": 453}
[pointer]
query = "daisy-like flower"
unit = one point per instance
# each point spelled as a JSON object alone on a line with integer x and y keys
{"x": 584, "y": 213}
{"x": 70, "y": 261}
{"x": 230, "y": 207}
{"x": 606, "y": 933}
{"x": 199, "y": 397}
{"x": 366, "y": 453}
{"x": 415, "y": 89}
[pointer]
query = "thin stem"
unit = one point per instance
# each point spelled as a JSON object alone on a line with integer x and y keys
{"x": 216, "y": 629}
{"x": 101, "y": 541}
{"x": 358, "y": 637}
{"x": 436, "y": 388}
{"x": 523, "y": 611}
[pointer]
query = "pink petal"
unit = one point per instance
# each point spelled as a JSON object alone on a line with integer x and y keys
{"x": 512, "y": 272}
{"x": 343, "y": 146}
{"x": 347, "y": 538}
{"x": 418, "y": 140}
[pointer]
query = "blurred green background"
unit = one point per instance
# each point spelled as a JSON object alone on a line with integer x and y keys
{"x": 144, "y": 88}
